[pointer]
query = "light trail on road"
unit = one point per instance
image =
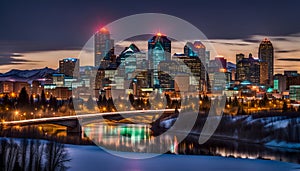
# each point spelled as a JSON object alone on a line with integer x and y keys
{"x": 82, "y": 116}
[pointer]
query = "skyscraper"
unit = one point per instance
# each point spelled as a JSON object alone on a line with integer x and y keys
{"x": 189, "y": 49}
{"x": 127, "y": 60}
{"x": 266, "y": 54}
{"x": 159, "y": 49}
{"x": 69, "y": 67}
{"x": 264, "y": 73}
{"x": 240, "y": 71}
{"x": 198, "y": 50}
{"x": 247, "y": 69}
{"x": 104, "y": 46}
{"x": 239, "y": 57}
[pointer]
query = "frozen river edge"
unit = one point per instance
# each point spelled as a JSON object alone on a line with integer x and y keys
{"x": 95, "y": 158}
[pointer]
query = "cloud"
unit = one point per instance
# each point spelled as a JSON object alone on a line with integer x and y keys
{"x": 140, "y": 37}
{"x": 15, "y": 47}
{"x": 285, "y": 65}
{"x": 14, "y": 59}
{"x": 286, "y": 51}
{"x": 289, "y": 59}
{"x": 295, "y": 35}
{"x": 17, "y": 55}
{"x": 280, "y": 39}
{"x": 229, "y": 43}
{"x": 250, "y": 40}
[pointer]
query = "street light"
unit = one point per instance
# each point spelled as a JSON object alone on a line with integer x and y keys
{"x": 121, "y": 106}
{"x": 16, "y": 114}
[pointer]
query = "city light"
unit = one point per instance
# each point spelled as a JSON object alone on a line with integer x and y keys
{"x": 83, "y": 87}
{"x": 13, "y": 95}
{"x": 103, "y": 29}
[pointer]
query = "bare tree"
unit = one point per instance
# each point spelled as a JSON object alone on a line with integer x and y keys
{"x": 23, "y": 152}
{"x": 39, "y": 150}
{"x": 56, "y": 157}
{"x": 32, "y": 155}
{"x": 8, "y": 155}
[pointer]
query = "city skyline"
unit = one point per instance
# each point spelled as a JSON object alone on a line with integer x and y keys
{"x": 226, "y": 48}
{"x": 231, "y": 27}
{"x": 149, "y": 85}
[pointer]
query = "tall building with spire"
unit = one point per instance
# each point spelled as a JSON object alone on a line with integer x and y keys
{"x": 159, "y": 49}
{"x": 198, "y": 50}
{"x": 266, "y": 54}
{"x": 103, "y": 46}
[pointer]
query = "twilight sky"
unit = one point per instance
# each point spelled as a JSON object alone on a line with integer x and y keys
{"x": 42, "y": 32}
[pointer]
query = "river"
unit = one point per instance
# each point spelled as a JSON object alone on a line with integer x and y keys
{"x": 138, "y": 138}
{"x": 121, "y": 144}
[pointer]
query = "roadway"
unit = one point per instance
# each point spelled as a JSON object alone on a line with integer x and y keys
{"x": 81, "y": 116}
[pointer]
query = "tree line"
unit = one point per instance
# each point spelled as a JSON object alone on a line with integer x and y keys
{"x": 29, "y": 105}
{"x": 32, "y": 155}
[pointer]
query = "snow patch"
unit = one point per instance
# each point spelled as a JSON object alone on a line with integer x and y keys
{"x": 167, "y": 123}
{"x": 278, "y": 124}
{"x": 283, "y": 144}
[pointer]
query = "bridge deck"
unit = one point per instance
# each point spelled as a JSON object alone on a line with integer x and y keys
{"x": 76, "y": 117}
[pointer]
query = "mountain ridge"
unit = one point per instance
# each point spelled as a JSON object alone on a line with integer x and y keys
{"x": 27, "y": 75}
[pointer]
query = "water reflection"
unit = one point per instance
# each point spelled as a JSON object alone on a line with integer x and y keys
{"x": 130, "y": 138}
{"x": 138, "y": 138}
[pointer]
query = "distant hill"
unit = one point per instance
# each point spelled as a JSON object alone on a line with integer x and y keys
{"x": 231, "y": 65}
{"x": 27, "y": 75}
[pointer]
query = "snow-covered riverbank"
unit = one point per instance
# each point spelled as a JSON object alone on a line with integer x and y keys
{"x": 271, "y": 130}
{"x": 94, "y": 158}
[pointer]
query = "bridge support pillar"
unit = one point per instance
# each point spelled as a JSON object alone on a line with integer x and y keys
{"x": 74, "y": 130}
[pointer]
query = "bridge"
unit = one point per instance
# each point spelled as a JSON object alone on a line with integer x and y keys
{"x": 73, "y": 122}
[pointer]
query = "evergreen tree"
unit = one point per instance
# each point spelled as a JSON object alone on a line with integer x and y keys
{"x": 110, "y": 105}
{"x": 148, "y": 105}
{"x": 104, "y": 100}
{"x": 6, "y": 102}
{"x": 70, "y": 103}
{"x": 90, "y": 103}
{"x": 23, "y": 99}
{"x": 230, "y": 101}
{"x": 53, "y": 102}
{"x": 157, "y": 97}
{"x": 284, "y": 106}
{"x": 169, "y": 101}
{"x": 264, "y": 101}
{"x": 38, "y": 99}
{"x": 43, "y": 99}
{"x": 235, "y": 102}
{"x": 31, "y": 100}
{"x": 176, "y": 112}
{"x": 131, "y": 98}
{"x": 99, "y": 102}
{"x": 227, "y": 102}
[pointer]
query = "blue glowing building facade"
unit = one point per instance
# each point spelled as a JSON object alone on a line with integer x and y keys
{"x": 159, "y": 49}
